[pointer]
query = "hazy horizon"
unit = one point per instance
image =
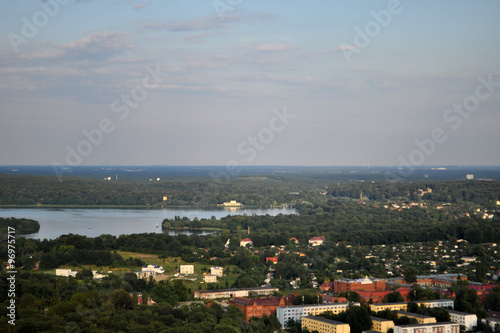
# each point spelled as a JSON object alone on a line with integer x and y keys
{"x": 235, "y": 83}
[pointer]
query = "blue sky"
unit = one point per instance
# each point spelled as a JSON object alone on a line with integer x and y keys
{"x": 352, "y": 96}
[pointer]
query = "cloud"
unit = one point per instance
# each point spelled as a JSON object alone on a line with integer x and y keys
{"x": 274, "y": 47}
{"x": 141, "y": 5}
{"x": 268, "y": 47}
{"x": 346, "y": 47}
{"x": 198, "y": 38}
{"x": 204, "y": 23}
{"x": 97, "y": 46}
{"x": 275, "y": 79}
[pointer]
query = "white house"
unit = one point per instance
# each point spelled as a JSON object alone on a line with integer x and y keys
{"x": 245, "y": 242}
{"x": 145, "y": 274}
{"x": 217, "y": 271}
{"x": 65, "y": 272}
{"x": 210, "y": 278}
{"x": 155, "y": 268}
{"x": 317, "y": 241}
{"x": 97, "y": 275}
{"x": 186, "y": 269}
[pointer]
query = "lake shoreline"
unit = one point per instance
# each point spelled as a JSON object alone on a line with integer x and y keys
{"x": 92, "y": 221}
{"x": 131, "y": 207}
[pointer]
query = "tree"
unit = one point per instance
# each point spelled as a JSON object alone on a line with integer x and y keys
{"x": 393, "y": 297}
{"x": 48, "y": 261}
{"x": 357, "y": 317}
{"x": 85, "y": 274}
{"x": 352, "y": 296}
{"x": 493, "y": 299}
{"x": 121, "y": 299}
{"x": 410, "y": 274}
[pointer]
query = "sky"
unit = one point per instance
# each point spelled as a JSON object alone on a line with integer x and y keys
{"x": 249, "y": 82}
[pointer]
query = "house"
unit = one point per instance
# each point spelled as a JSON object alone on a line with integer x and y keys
{"x": 245, "y": 242}
{"x": 97, "y": 275}
{"x": 326, "y": 286}
{"x": 317, "y": 241}
{"x": 157, "y": 269}
{"x": 186, "y": 269}
{"x": 274, "y": 260}
{"x": 257, "y": 307}
{"x": 294, "y": 240}
{"x": 217, "y": 271}
{"x": 140, "y": 299}
{"x": 65, "y": 272}
{"x": 210, "y": 278}
{"x": 327, "y": 299}
{"x": 232, "y": 203}
{"x": 322, "y": 325}
{"x": 145, "y": 274}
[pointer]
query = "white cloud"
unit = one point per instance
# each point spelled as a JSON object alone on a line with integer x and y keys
{"x": 204, "y": 23}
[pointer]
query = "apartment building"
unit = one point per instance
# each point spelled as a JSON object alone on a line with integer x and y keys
{"x": 296, "y": 312}
{"x": 468, "y": 320}
{"x": 322, "y": 325}
{"x": 447, "y": 327}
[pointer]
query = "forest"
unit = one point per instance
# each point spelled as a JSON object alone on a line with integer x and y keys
{"x": 251, "y": 191}
{"x": 22, "y": 226}
{"x": 55, "y": 304}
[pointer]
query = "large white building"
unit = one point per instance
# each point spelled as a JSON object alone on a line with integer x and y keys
{"x": 468, "y": 320}
{"x": 448, "y": 327}
{"x": 296, "y": 312}
{"x": 186, "y": 269}
{"x": 236, "y": 292}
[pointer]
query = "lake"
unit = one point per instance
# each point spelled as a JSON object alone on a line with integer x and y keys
{"x": 94, "y": 222}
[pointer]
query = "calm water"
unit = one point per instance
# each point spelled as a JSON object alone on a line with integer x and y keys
{"x": 95, "y": 222}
